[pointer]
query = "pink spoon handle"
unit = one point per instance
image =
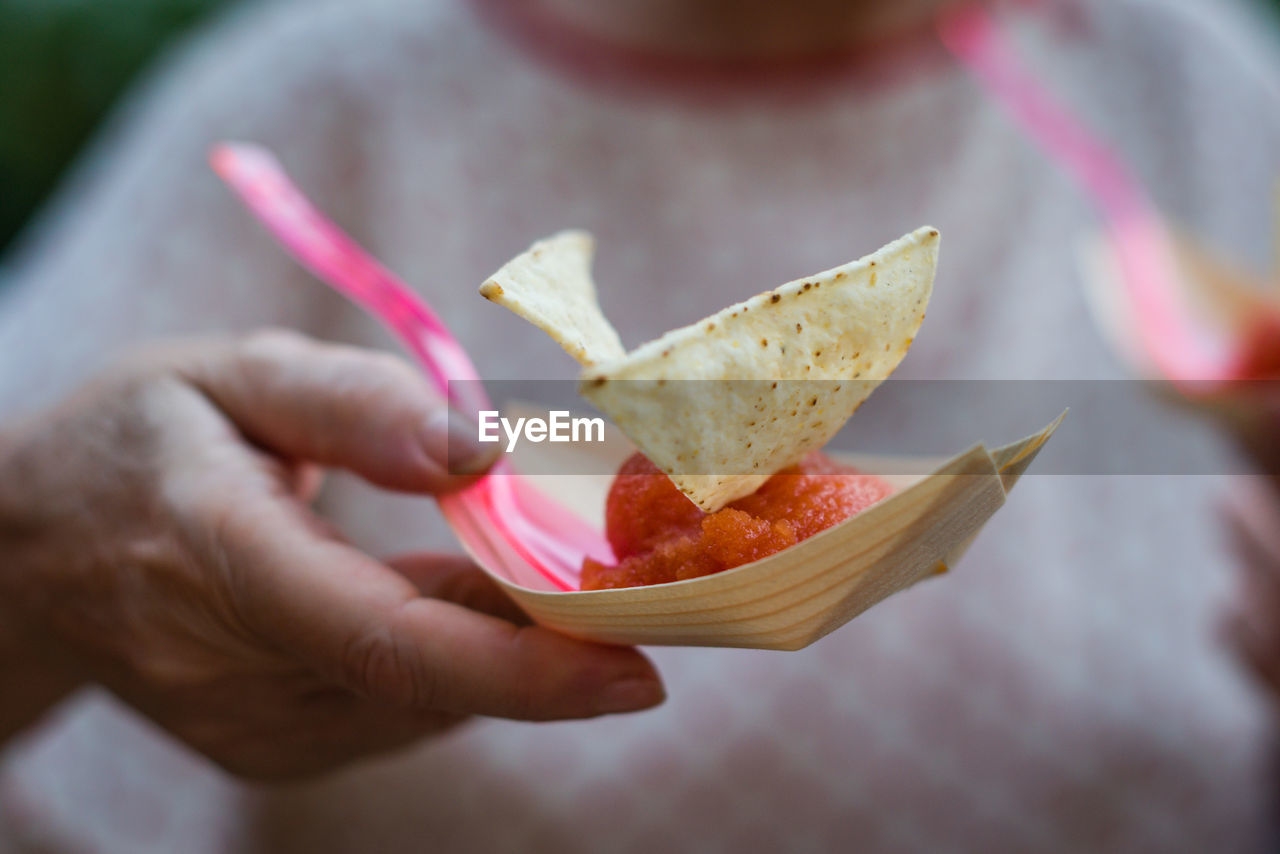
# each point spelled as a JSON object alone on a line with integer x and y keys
{"x": 329, "y": 253}
{"x": 1180, "y": 348}
{"x": 325, "y": 250}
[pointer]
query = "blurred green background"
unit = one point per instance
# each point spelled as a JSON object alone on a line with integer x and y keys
{"x": 63, "y": 63}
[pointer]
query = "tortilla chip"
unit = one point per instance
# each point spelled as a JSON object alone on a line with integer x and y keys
{"x": 550, "y": 286}
{"x": 728, "y": 401}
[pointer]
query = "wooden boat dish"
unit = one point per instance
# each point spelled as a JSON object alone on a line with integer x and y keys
{"x": 791, "y": 599}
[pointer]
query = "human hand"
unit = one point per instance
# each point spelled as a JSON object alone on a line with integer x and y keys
{"x": 1252, "y": 627}
{"x": 155, "y": 537}
{"x": 1252, "y": 517}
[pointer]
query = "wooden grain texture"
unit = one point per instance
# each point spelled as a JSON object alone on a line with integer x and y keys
{"x": 790, "y": 599}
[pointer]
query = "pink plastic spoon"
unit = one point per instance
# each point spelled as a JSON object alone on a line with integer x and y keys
{"x": 504, "y": 521}
{"x": 1180, "y": 347}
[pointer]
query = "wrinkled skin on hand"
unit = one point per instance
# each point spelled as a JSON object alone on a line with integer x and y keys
{"x": 157, "y": 539}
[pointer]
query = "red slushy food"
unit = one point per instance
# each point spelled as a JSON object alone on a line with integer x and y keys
{"x": 1262, "y": 352}
{"x": 658, "y": 535}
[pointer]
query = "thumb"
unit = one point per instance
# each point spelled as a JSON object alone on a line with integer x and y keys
{"x": 368, "y": 412}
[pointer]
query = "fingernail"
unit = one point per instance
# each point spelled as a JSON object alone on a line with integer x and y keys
{"x": 629, "y": 695}
{"x": 453, "y": 442}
